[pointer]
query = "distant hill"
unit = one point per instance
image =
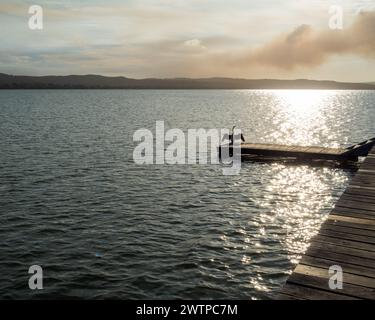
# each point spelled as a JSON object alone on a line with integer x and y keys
{"x": 102, "y": 82}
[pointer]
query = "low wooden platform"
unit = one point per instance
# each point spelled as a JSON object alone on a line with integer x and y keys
{"x": 274, "y": 150}
{"x": 299, "y": 152}
{"x": 347, "y": 239}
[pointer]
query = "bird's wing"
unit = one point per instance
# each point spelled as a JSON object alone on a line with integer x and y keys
{"x": 225, "y": 137}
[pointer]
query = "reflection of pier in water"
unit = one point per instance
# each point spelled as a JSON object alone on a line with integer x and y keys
{"x": 346, "y": 239}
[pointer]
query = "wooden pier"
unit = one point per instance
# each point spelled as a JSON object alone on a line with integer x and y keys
{"x": 264, "y": 151}
{"x": 347, "y": 239}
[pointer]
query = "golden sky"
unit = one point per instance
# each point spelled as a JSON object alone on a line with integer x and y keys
{"x": 193, "y": 38}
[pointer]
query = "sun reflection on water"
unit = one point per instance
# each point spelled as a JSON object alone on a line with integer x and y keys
{"x": 297, "y": 198}
{"x": 284, "y": 206}
{"x": 303, "y": 102}
{"x": 301, "y": 116}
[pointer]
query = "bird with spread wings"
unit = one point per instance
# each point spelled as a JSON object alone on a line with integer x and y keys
{"x": 232, "y": 136}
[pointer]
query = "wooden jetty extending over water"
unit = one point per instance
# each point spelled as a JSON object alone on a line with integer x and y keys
{"x": 347, "y": 239}
{"x": 257, "y": 150}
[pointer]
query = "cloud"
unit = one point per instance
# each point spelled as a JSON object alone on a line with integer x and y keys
{"x": 288, "y": 54}
{"x": 166, "y": 38}
{"x": 193, "y": 43}
{"x": 306, "y": 47}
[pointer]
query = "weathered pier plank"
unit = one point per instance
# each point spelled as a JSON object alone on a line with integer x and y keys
{"x": 346, "y": 239}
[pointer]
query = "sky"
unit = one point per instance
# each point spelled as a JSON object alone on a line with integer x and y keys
{"x": 289, "y": 39}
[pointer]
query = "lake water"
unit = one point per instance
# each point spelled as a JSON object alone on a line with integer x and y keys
{"x": 73, "y": 201}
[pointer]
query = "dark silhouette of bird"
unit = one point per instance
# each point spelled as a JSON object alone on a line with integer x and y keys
{"x": 231, "y": 136}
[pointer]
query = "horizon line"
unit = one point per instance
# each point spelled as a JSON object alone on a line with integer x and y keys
{"x": 180, "y": 78}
